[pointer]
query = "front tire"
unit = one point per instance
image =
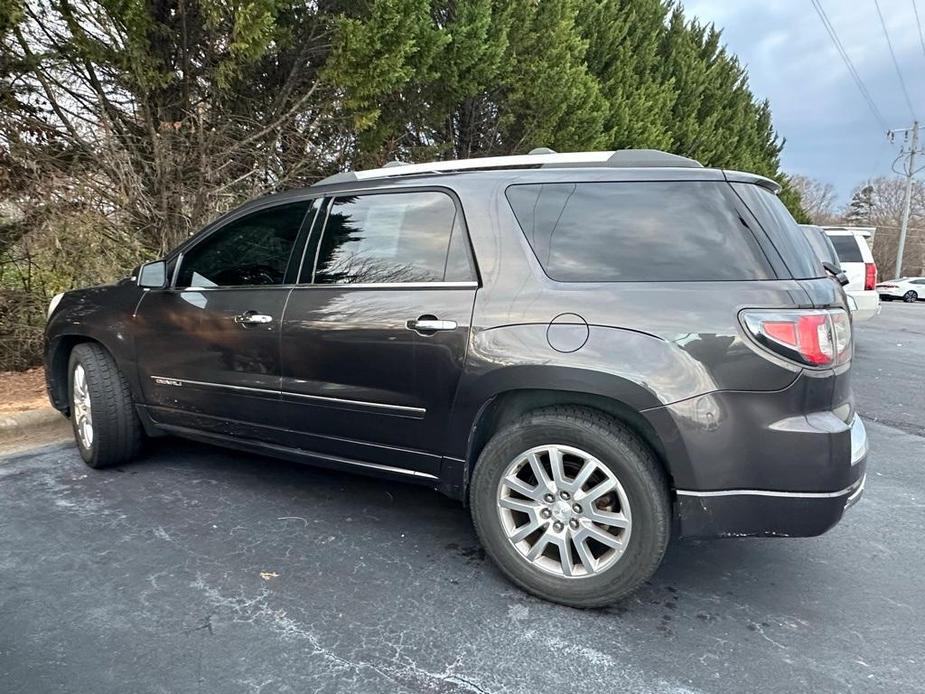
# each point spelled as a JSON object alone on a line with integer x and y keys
{"x": 910, "y": 297}
{"x": 106, "y": 426}
{"x": 572, "y": 506}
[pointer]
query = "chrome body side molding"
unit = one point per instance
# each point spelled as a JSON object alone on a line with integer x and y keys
{"x": 417, "y": 412}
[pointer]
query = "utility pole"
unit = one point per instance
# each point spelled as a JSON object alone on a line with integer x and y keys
{"x": 909, "y": 172}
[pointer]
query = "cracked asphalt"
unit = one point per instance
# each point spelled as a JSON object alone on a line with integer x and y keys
{"x": 198, "y": 569}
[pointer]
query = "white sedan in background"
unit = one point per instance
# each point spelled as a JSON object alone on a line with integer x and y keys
{"x": 909, "y": 289}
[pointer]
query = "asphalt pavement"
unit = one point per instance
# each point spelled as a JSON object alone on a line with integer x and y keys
{"x": 198, "y": 569}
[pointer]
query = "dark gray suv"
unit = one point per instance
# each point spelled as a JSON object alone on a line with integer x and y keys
{"x": 594, "y": 351}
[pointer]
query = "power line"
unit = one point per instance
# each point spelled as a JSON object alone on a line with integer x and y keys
{"x": 919, "y": 24}
{"x": 889, "y": 43}
{"x": 830, "y": 29}
{"x": 909, "y": 171}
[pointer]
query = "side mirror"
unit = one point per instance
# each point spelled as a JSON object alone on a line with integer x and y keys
{"x": 836, "y": 272}
{"x": 153, "y": 275}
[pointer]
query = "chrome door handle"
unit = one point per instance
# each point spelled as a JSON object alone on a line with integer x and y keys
{"x": 252, "y": 318}
{"x": 431, "y": 324}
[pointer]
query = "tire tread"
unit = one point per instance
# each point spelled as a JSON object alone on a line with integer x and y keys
{"x": 117, "y": 431}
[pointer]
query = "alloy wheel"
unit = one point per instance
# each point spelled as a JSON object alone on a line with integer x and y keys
{"x": 564, "y": 511}
{"x": 82, "y": 414}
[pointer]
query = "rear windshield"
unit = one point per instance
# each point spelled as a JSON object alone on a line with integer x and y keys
{"x": 846, "y": 245}
{"x": 637, "y": 232}
{"x": 780, "y": 226}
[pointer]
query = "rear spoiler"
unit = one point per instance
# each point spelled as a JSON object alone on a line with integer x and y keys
{"x": 743, "y": 177}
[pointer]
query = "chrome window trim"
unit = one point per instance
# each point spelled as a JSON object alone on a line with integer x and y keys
{"x": 170, "y": 380}
{"x": 764, "y": 492}
{"x": 471, "y": 284}
{"x": 358, "y": 285}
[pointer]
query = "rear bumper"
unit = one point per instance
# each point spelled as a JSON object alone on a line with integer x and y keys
{"x": 771, "y": 513}
{"x": 864, "y": 304}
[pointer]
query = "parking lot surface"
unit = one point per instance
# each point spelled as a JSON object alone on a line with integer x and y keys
{"x": 198, "y": 569}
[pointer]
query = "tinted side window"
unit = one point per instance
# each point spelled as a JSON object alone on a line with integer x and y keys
{"x": 392, "y": 237}
{"x": 782, "y": 229}
{"x": 252, "y": 250}
{"x": 846, "y": 245}
{"x": 637, "y": 232}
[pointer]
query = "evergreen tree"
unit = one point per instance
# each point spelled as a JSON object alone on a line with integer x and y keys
{"x": 861, "y": 206}
{"x": 625, "y": 55}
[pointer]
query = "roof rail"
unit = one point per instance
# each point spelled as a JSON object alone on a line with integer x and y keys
{"x": 540, "y": 157}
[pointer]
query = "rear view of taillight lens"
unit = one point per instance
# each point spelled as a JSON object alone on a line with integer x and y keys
{"x": 811, "y": 337}
{"x": 841, "y": 329}
{"x": 870, "y": 276}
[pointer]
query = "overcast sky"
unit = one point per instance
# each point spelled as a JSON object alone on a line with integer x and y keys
{"x": 831, "y": 133}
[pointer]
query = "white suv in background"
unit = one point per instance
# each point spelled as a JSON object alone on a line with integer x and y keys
{"x": 857, "y": 262}
{"x": 909, "y": 289}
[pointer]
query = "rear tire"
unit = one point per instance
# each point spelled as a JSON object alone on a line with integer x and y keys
{"x": 578, "y": 437}
{"x": 106, "y": 426}
{"x": 910, "y": 297}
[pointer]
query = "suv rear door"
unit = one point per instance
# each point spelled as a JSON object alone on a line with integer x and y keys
{"x": 374, "y": 339}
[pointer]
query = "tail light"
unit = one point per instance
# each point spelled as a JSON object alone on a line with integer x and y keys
{"x": 870, "y": 275}
{"x": 818, "y": 338}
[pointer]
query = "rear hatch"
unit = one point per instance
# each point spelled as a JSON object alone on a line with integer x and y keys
{"x": 829, "y": 389}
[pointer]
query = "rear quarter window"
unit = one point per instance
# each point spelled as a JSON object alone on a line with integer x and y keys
{"x": 846, "y": 245}
{"x": 637, "y": 232}
{"x": 780, "y": 226}
{"x": 821, "y": 245}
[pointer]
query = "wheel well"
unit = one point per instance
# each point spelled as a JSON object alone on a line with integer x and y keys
{"x": 58, "y": 360}
{"x": 512, "y": 405}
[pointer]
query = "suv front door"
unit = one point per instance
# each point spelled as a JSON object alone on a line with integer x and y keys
{"x": 208, "y": 346}
{"x": 374, "y": 338}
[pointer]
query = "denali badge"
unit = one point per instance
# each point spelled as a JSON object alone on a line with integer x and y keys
{"x": 166, "y": 381}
